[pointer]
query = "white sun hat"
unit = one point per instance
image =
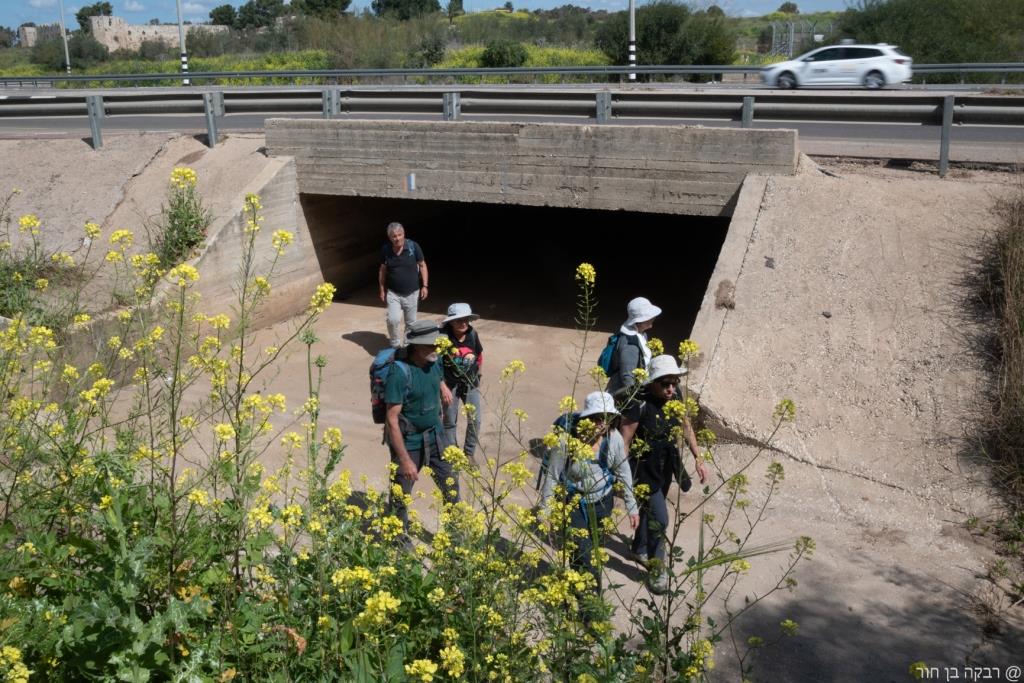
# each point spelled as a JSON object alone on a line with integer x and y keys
{"x": 458, "y": 312}
{"x": 664, "y": 366}
{"x": 640, "y": 309}
{"x": 598, "y": 402}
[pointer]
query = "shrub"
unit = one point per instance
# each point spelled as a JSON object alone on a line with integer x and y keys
{"x": 503, "y": 54}
{"x": 182, "y": 223}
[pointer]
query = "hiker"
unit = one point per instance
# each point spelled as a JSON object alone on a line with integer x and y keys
{"x": 657, "y": 463}
{"x": 591, "y": 478}
{"x": 462, "y": 375}
{"x": 413, "y": 429}
{"x": 403, "y": 280}
{"x": 631, "y": 352}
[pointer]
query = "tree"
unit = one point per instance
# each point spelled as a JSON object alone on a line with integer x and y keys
{"x": 99, "y": 9}
{"x": 508, "y": 6}
{"x": 323, "y": 9}
{"x": 453, "y": 9}
{"x": 7, "y": 36}
{"x": 668, "y": 33}
{"x": 788, "y": 8}
{"x": 404, "y": 9}
{"x": 503, "y": 54}
{"x": 82, "y": 47}
{"x": 224, "y": 15}
{"x": 259, "y": 13}
{"x": 715, "y": 11}
{"x": 154, "y": 22}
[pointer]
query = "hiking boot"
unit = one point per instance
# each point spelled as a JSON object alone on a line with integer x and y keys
{"x": 657, "y": 582}
{"x": 638, "y": 557}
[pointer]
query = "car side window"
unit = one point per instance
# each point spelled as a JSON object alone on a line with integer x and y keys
{"x": 863, "y": 53}
{"x": 826, "y": 55}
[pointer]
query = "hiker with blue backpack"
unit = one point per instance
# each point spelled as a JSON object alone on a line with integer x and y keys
{"x": 588, "y": 460}
{"x": 624, "y": 353}
{"x": 402, "y": 279}
{"x": 655, "y": 461}
{"x": 414, "y": 396}
{"x": 462, "y": 375}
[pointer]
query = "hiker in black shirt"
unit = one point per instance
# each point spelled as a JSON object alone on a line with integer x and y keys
{"x": 402, "y": 278}
{"x": 462, "y": 375}
{"x": 656, "y": 462}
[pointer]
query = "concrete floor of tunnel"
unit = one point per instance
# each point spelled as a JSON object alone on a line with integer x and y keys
{"x": 516, "y": 263}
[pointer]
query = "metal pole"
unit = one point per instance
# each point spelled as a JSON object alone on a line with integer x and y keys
{"x": 632, "y": 37}
{"x": 181, "y": 43}
{"x": 94, "y": 106}
{"x": 210, "y": 109}
{"x": 603, "y": 105}
{"x": 747, "y": 113}
{"x": 947, "y": 125}
{"x": 64, "y": 36}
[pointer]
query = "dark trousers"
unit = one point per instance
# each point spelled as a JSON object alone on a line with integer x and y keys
{"x": 428, "y": 455}
{"x": 650, "y": 532}
{"x": 588, "y": 516}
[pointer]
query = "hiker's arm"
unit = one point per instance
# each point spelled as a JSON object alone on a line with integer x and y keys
{"x": 406, "y": 467}
{"x": 556, "y": 463}
{"x": 628, "y": 360}
{"x": 625, "y": 477}
{"x": 424, "y": 279}
{"x": 446, "y": 395}
{"x": 691, "y": 441}
{"x": 382, "y": 275}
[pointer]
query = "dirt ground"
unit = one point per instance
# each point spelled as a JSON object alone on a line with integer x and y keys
{"x": 852, "y": 300}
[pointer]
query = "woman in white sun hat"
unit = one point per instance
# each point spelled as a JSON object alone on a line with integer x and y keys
{"x": 631, "y": 352}
{"x": 591, "y": 477}
{"x": 657, "y": 462}
{"x": 462, "y": 374}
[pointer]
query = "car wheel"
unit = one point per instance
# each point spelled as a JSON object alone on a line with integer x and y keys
{"x": 786, "y": 81}
{"x": 874, "y": 80}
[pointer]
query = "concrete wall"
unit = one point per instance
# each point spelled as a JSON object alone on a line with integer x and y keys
{"x": 660, "y": 169}
{"x": 117, "y": 34}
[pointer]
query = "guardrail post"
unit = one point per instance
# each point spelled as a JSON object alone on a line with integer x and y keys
{"x": 94, "y": 106}
{"x": 210, "y": 110}
{"x": 331, "y": 103}
{"x": 604, "y": 106}
{"x": 452, "y": 106}
{"x": 947, "y": 124}
{"x": 747, "y": 113}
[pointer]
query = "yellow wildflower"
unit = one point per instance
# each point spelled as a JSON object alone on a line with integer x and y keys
{"x": 29, "y": 223}
{"x": 281, "y": 239}
{"x": 183, "y": 177}
{"x": 586, "y": 274}
{"x": 421, "y": 669}
{"x": 322, "y": 298}
{"x": 92, "y": 231}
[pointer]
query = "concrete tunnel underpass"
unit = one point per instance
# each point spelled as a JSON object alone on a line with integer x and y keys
{"x": 516, "y": 263}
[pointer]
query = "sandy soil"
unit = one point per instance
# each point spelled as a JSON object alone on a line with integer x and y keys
{"x": 878, "y": 471}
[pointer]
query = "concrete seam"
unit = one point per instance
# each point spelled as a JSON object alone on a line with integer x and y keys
{"x": 743, "y": 263}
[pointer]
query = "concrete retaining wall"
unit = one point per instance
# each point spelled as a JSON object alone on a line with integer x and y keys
{"x": 659, "y": 169}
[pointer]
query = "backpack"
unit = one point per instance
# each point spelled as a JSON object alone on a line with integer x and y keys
{"x": 608, "y": 354}
{"x": 567, "y": 423}
{"x": 380, "y": 370}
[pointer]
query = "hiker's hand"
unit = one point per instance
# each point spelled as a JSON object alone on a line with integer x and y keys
{"x": 634, "y": 521}
{"x": 702, "y": 470}
{"x": 407, "y": 468}
{"x": 383, "y": 295}
{"x": 423, "y": 293}
{"x": 446, "y": 395}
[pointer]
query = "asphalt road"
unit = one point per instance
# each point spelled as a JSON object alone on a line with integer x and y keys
{"x": 997, "y": 144}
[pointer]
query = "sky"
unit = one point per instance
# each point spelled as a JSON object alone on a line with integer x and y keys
{"x": 13, "y": 13}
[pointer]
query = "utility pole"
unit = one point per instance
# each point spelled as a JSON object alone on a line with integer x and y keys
{"x": 64, "y": 37}
{"x": 632, "y": 37}
{"x": 181, "y": 42}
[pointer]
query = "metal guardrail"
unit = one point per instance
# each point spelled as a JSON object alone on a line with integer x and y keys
{"x": 333, "y": 76}
{"x": 602, "y": 105}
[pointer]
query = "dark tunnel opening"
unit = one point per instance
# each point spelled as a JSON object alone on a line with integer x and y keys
{"x": 517, "y": 263}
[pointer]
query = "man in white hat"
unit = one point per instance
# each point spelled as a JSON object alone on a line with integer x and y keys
{"x": 657, "y": 463}
{"x": 631, "y": 352}
{"x": 412, "y": 423}
{"x": 462, "y": 374}
{"x": 402, "y": 279}
{"x": 591, "y": 477}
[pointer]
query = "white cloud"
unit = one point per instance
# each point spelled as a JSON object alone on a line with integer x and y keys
{"x": 195, "y": 8}
{"x": 134, "y": 6}
{"x": 42, "y": 4}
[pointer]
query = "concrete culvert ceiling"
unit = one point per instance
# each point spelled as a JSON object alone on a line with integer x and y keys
{"x": 516, "y": 263}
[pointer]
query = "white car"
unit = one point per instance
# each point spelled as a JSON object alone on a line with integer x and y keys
{"x": 872, "y": 66}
